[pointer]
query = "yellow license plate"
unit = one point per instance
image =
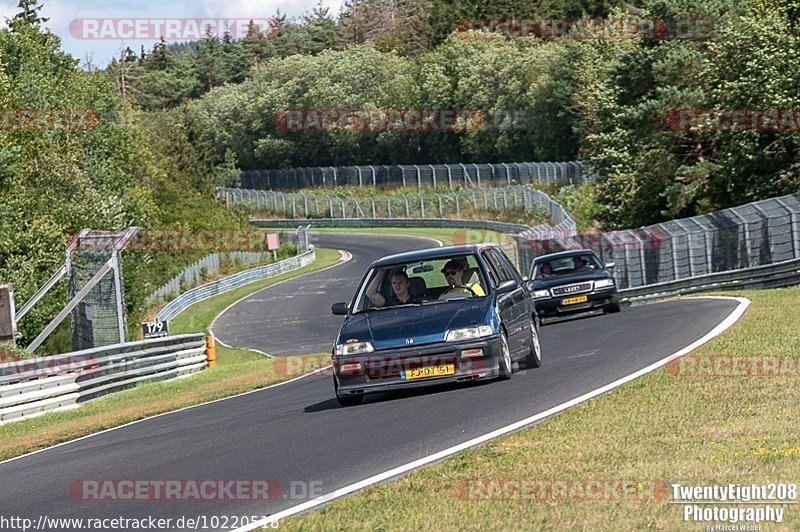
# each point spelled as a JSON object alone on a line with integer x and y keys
{"x": 574, "y": 300}
{"x": 430, "y": 371}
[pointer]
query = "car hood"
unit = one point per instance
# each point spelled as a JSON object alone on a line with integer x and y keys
{"x": 392, "y": 327}
{"x": 568, "y": 279}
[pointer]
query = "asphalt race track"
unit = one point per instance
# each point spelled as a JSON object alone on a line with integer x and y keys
{"x": 278, "y": 320}
{"x": 297, "y": 434}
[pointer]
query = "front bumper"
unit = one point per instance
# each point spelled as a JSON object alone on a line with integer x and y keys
{"x": 387, "y": 370}
{"x": 597, "y": 299}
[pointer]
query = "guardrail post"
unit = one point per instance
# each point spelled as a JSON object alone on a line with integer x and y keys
{"x": 117, "y": 269}
{"x": 8, "y": 327}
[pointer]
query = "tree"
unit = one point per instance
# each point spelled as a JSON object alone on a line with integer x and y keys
{"x": 29, "y": 14}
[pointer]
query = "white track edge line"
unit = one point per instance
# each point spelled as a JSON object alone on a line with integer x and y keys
{"x": 729, "y": 320}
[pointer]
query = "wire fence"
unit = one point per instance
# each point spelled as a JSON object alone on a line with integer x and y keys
{"x": 756, "y": 234}
{"x": 750, "y": 236}
{"x": 418, "y": 175}
{"x": 205, "y": 291}
{"x": 213, "y": 263}
{"x": 200, "y": 270}
{"x": 422, "y": 205}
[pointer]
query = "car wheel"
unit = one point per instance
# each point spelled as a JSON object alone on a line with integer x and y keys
{"x": 534, "y": 358}
{"x": 505, "y": 358}
{"x": 613, "y": 307}
{"x": 346, "y": 400}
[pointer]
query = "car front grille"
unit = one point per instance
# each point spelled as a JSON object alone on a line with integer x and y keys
{"x": 569, "y": 289}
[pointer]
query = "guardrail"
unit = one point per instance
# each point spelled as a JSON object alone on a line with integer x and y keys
{"x": 785, "y": 273}
{"x": 195, "y": 295}
{"x": 207, "y": 265}
{"x": 33, "y": 386}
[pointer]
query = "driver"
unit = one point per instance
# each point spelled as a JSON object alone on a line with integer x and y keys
{"x": 453, "y": 272}
{"x": 399, "y": 295}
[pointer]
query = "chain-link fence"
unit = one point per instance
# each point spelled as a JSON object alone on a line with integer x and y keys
{"x": 756, "y": 234}
{"x": 201, "y": 269}
{"x": 423, "y": 205}
{"x": 211, "y": 264}
{"x": 418, "y": 175}
{"x": 99, "y": 318}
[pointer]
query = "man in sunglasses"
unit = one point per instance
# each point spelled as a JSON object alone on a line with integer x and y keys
{"x": 453, "y": 272}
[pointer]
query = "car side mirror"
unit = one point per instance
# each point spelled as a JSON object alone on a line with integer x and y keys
{"x": 610, "y": 265}
{"x": 339, "y": 309}
{"x": 507, "y": 286}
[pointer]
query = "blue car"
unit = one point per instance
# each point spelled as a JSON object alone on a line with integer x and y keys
{"x": 434, "y": 316}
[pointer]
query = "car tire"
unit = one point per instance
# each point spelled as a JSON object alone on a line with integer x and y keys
{"x": 613, "y": 307}
{"x": 347, "y": 400}
{"x": 504, "y": 364}
{"x": 534, "y": 358}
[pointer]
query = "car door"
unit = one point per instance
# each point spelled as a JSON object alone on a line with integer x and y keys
{"x": 511, "y": 304}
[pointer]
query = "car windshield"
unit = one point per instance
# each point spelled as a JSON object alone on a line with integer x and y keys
{"x": 421, "y": 282}
{"x": 563, "y": 266}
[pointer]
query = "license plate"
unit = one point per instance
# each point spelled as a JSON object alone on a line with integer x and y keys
{"x": 430, "y": 371}
{"x": 574, "y": 300}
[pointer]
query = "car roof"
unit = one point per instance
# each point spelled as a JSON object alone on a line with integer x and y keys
{"x": 562, "y": 254}
{"x": 430, "y": 253}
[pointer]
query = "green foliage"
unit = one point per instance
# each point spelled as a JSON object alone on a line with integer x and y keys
{"x": 651, "y": 172}
{"x": 131, "y": 169}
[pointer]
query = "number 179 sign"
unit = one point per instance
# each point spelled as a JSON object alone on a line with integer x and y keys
{"x": 154, "y": 329}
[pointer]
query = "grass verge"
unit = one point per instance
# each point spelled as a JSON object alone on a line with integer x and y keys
{"x": 237, "y": 371}
{"x": 667, "y": 427}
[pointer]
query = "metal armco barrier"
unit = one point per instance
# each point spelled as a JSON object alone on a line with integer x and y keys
{"x": 33, "y": 386}
{"x": 771, "y": 276}
{"x": 190, "y": 297}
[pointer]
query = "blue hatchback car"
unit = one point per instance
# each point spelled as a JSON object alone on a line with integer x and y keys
{"x": 439, "y": 315}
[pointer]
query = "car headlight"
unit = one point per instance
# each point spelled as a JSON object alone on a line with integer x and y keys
{"x": 604, "y": 283}
{"x": 467, "y": 333}
{"x": 538, "y": 294}
{"x": 353, "y": 348}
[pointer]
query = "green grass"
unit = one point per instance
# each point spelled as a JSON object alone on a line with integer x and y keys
{"x": 237, "y": 371}
{"x": 659, "y": 429}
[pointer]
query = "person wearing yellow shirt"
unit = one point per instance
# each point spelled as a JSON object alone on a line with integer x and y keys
{"x": 453, "y": 272}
